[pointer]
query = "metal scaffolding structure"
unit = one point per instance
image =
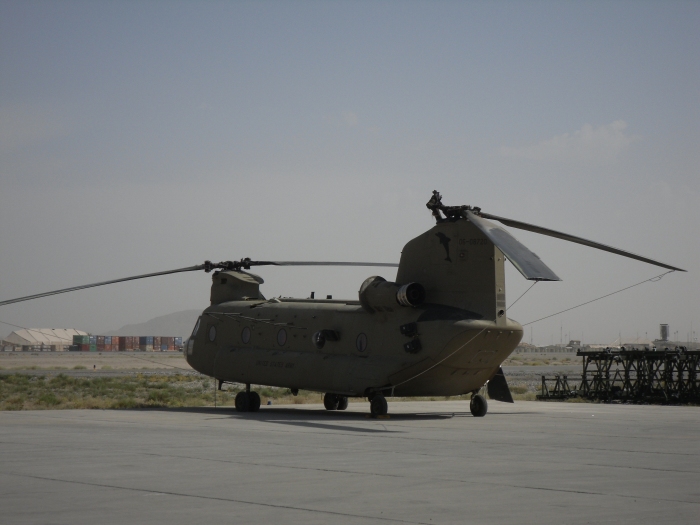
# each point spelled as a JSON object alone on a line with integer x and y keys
{"x": 657, "y": 376}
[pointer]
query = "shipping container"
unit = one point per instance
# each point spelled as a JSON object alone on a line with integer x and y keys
{"x": 100, "y": 339}
{"x": 115, "y": 340}
{"x": 146, "y": 340}
{"x": 146, "y": 348}
{"x": 177, "y": 341}
{"x": 92, "y": 339}
{"x": 81, "y": 339}
{"x": 93, "y": 348}
{"x": 85, "y": 348}
{"x": 156, "y": 342}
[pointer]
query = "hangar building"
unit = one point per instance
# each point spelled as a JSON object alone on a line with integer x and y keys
{"x": 40, "y": 339}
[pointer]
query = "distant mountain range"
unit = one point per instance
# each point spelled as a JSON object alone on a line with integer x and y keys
{"x": 178, "y": 324}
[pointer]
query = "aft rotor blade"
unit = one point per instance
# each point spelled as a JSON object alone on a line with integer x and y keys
{"x": 319, "y": 263}
{"x": 84, "y": 286}
{"x": 577, "y": 240}
{"x": 527, "y": 262}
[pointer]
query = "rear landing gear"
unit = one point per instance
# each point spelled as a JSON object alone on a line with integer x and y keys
{"x": 247, "y": 402}
{"x": 478, "y": 405}
{"x": 330, "y": 401}
{"x": 378, "y": 405}
{"x": 254, "y": 401}
{"x": 335, "y": 402}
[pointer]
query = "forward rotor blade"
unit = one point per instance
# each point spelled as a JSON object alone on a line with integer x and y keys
{"x": 84, "y": 286}
{"x": 527, "y": 263}
{"x": 577, "y": 240}
{"x": 207, "y": 266}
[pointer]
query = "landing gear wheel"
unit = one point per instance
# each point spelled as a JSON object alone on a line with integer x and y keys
{"x": 330, "y": 401}
{"x": 342, "y": 403}
{"x": 242, "y": 402}
{"x": 254, "y": 401}
{"x": 478, "y": 406}
{"x": 378, "y": 405}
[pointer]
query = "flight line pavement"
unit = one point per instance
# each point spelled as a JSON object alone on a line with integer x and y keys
{"x": 428, "y": 463}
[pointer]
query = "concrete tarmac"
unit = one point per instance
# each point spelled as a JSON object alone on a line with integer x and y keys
{"x": 428, "y": 463}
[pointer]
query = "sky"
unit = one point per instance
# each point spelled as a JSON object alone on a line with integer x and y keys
{"x": 137, "y": 137}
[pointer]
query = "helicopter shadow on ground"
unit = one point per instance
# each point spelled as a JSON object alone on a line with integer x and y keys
{"x": 336, "y": 421}
{"x": 320, "y": 419}
{"x": 288, "y": 416}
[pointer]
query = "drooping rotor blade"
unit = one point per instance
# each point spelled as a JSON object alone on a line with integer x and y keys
{"x": 207, "y": 267}
{"x": 577, "y": 240}
{"x": 318, "y": 263}
{"x": 527, "y": 263}
{"x": 84, "y": 286}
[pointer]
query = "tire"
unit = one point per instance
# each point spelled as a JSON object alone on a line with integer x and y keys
{"x": 330, "y": 401}
{"x": 478, "y": 406}
{"x": 342, "y": 403}
{"x": 254, "y": 402}
{"x": 378, "y": 405}
{"x": 242, "y": 402}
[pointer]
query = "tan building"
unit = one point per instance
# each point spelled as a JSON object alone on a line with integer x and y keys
{"x": 40, "y": 339}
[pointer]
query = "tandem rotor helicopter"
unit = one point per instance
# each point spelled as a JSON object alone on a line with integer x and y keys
{"x": 440, "y": 330}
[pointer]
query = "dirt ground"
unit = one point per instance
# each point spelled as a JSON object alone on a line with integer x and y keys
{"x": 524, "y": 372}
{"x": 92, "y": 360}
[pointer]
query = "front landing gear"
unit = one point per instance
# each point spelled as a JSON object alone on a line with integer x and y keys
{"x": 478, "y": 405}
{"x": 247, "y": 401}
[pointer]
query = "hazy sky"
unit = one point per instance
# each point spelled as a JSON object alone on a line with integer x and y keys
{"x": 145, "y": 136}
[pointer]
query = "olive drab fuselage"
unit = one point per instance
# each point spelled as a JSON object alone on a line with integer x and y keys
{"x": 451, "y": 343}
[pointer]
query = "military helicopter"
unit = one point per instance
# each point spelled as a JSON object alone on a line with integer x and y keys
{"x": 440, "y": 330}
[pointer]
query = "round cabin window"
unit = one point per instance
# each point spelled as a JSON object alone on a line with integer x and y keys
{"x": 281, "y": 337}
{"x": 361, "y": 343}
{"x": 212, "y": 333}
{"x": 245, "y": 335}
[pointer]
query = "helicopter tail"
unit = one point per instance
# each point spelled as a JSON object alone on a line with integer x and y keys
{"x": 458, "y": 266}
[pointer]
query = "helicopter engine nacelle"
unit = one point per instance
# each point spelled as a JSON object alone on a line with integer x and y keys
{"x": 379, "y": 295}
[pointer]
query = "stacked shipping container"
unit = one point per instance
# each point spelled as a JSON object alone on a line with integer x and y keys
{"x": 106, "y": 343}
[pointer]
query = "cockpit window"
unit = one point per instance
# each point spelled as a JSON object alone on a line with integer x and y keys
{"x": 196, "y": 327}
